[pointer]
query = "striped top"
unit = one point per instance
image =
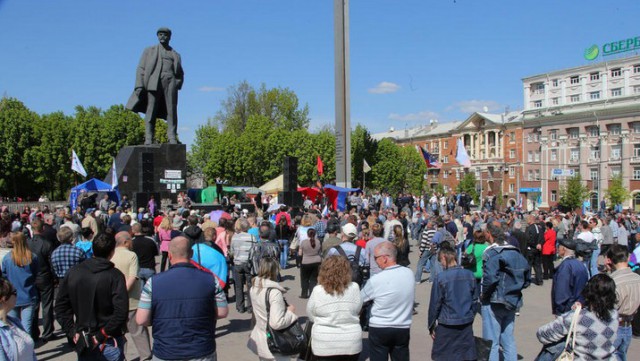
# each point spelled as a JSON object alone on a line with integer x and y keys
{"x": 627, "y": 290}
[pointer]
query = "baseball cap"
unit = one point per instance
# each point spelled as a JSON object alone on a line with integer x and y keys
{"x": 350, "y": 230}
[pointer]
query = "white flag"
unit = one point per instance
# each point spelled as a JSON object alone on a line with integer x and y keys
{"x": 365, "y": 166}
{"x": 461, "y": 156}
{"x": 76, "y": 164}
{"x": 114, "y": 175}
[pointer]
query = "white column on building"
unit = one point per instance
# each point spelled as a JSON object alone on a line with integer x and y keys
{"x": 544, "y": 171}
{"x": 604, "y": 172}
{"x": 604, "y": 76}
{"x": 583, "y": 88}
{"x": 526, "y": 92}
{"x": 626, "y": 153}
{"x": 563, "y": 91}
{"x": 486, "y": 144}
{"x": 627, "y": 87}
{"x": 563, "y": 157}
{"x": 546, "y": 94}
{"x": 584, "y": 157}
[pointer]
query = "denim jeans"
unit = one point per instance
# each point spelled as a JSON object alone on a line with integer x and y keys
{"x": 113, "y": 351}
{"x": 144, "y": 274}
{"x": 25, "y": 315}
{"x": 421, "y": 263}
{"x": 284, "y": 252}
{"x": 436, "y": 267}
{"x": 497, "y": 326}
{"x": 622, "y": 342}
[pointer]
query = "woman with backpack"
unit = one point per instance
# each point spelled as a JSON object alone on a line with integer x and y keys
{"x": 310, "y": 252}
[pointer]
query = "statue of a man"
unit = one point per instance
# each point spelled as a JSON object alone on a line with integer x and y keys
{"x": 158, "y": 78}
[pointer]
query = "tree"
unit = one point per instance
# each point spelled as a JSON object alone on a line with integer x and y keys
{"x": 386, "y": 172}
{"x": 16, "y": 139}
{"x": 468, "y": 185}
{"x": 617, "y": 193}
{"x": 573, "y": 193}
{"x": 362, "y": 147}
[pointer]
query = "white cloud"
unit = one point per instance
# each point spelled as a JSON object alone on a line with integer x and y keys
{"x": 384, "y": 87}
{"x": 471, "y": 106}
{"x": 208, "y": 89}
{"x": 414, "y": 117}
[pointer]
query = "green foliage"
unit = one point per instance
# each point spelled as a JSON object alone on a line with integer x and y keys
{"x": 468, "y": 184}
{"x": 573, "y": 193}
{"x": 617, "y": 193}
{"x": 16, "y": 139}
{"x": 362, "y": 147}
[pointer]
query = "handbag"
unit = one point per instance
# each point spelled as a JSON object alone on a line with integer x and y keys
{"x": 483, "y": 348}
{"x": 567, "y": 355}
{"x": 288, "y": 341}
{"x": 307, "y": 352}
{"x": 468, "y": 260}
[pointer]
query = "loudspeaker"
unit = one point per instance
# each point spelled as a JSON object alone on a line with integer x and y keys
{"x": 292, "y": 199}
{"x": 147, "y": 172}
{"x": 290, "y": 182}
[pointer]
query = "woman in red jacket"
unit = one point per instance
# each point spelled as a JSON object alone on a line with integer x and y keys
{"x": 548, "y": 251}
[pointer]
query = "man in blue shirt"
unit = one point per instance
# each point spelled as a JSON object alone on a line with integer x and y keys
{"x": 67, "y": 255}
{"x": 568, "y": 280}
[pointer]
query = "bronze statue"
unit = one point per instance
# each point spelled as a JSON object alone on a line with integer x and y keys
{"x": 159, "y": 76}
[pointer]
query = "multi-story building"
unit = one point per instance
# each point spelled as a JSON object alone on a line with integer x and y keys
{"x": 583, "y": 120}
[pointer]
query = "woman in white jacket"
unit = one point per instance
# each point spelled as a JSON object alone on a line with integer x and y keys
{"x": 334, "y": 307}
{"x": 281, "y": 315}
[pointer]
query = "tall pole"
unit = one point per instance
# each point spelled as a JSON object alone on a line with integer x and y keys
{"x": 343, "y": 111}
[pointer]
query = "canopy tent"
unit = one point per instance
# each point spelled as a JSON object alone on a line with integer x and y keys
{"x": 93, "y": 185}
{"x": 338, "y": 195}
{"x": 273, "y": 186}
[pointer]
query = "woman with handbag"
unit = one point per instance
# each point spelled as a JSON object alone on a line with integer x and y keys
{"x": 334, "y": 308}
{"x": 281, "y": 315}
{"x": 477, "y": 249}
{"x": 592, "y": 329}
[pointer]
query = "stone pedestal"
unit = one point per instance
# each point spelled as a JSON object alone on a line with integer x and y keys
{"x": 144, "y": 170}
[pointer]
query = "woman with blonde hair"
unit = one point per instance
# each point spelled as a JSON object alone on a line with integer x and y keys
{"x": 164, "y": 236}
{"x": 281, "y": 315}
{"x": 20, "y": 267}
{"x": 334, "y": 308}
{"x": 401, "y": 243}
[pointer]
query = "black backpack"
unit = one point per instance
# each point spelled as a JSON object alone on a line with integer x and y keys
{"x": 359, "y": 274}
{"x": 261, "y": 250}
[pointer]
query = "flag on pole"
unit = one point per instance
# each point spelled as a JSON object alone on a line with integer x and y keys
{"x": 76, "y": 164}
{"x": 320, "y": 166}
{"x": 365, "y": 166}
{"x": 114, "y": 175}
{"x": 461, "y": 155}
{"x": 430, "y": 159}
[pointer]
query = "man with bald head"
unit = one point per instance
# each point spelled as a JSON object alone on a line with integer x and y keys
{"x": 392, "y": 292}
{"x": 126, "y": 261}
{"x": 183, "y": 304}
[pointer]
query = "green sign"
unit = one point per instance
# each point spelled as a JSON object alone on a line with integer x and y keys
{"x": 614, "y": 47}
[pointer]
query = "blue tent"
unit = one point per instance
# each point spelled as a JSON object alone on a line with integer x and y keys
{"x": 93, "y": 185}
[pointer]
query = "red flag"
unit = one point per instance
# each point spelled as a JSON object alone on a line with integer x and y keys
{"x": 320, "y": 166}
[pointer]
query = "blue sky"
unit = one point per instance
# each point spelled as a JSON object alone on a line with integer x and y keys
{"x": 411, "y": 61}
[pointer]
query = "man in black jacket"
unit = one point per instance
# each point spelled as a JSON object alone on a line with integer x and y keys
{"x": 535, "y": 239}
{"x": 92, "y": 304}
{"x": 42, "y": 248}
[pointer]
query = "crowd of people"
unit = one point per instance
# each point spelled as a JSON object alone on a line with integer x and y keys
{"x": 95, "y": 271}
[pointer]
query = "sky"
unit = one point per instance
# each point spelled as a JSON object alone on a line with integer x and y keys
{"x": 410, "y": 61}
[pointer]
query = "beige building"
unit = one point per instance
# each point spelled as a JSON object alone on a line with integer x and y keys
{"x": 582, "y": 120}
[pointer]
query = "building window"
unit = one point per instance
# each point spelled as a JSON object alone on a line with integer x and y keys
{"x": 537, "y": 104}
{"x": 554, "y": 155}
{"x": 445, "y": 174}
{"x": 636, "y": 150}
{"x": 635, "y": 127}
{"x": 554, "y": 82}
{"x": 512, "y": 137}
{"x": 615, "y": 152}
{"x": 575, "y": 80}
{"x": 512, "y": 171}
{"x": 477, "y": 173}
{"x": 615, "y": 171}
{"x": 617, "y": 92}
{"x": 537, "y": 156}
{"x": 530, "y": 175}
{"x": 554, "y": 196}
{"x": 575, "y": 98}
{"x": 445, "y": 145}
{"x": 512, "y": 153}
{"x": 575, "y": 154}
{"x": 553, "y": 134}
{"x": 458, "y": 174}
{"x": 593, "y": 174}
{"x": 530, "y": 156}
{"x": 636, "y": 69}
{"x": 615, "y": 129}
{"x": 537, "y": 174}
{"x": 636, "y": 89}
{"x": 512, "y": 188}
{"x": 573, "y": 133}
{"x": 445, "y": 159}
{"x": 616, "y": 72}
{"x": 538, "y": 88}
{"x": 555, "y": 101}
{"x": 594, "y": 95}
{"x": 594, "y": 131}
{"x": 636, "y": 173}
{"x": 594, "y": 76}
{"x": 594, "y": 153}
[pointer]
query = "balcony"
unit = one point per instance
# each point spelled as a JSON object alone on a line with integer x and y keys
{"x": 635, "y": 159}
{"x": 574, "y": 161}
{"x": 594, "y": 159}
{"x": 615, "y": 159}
